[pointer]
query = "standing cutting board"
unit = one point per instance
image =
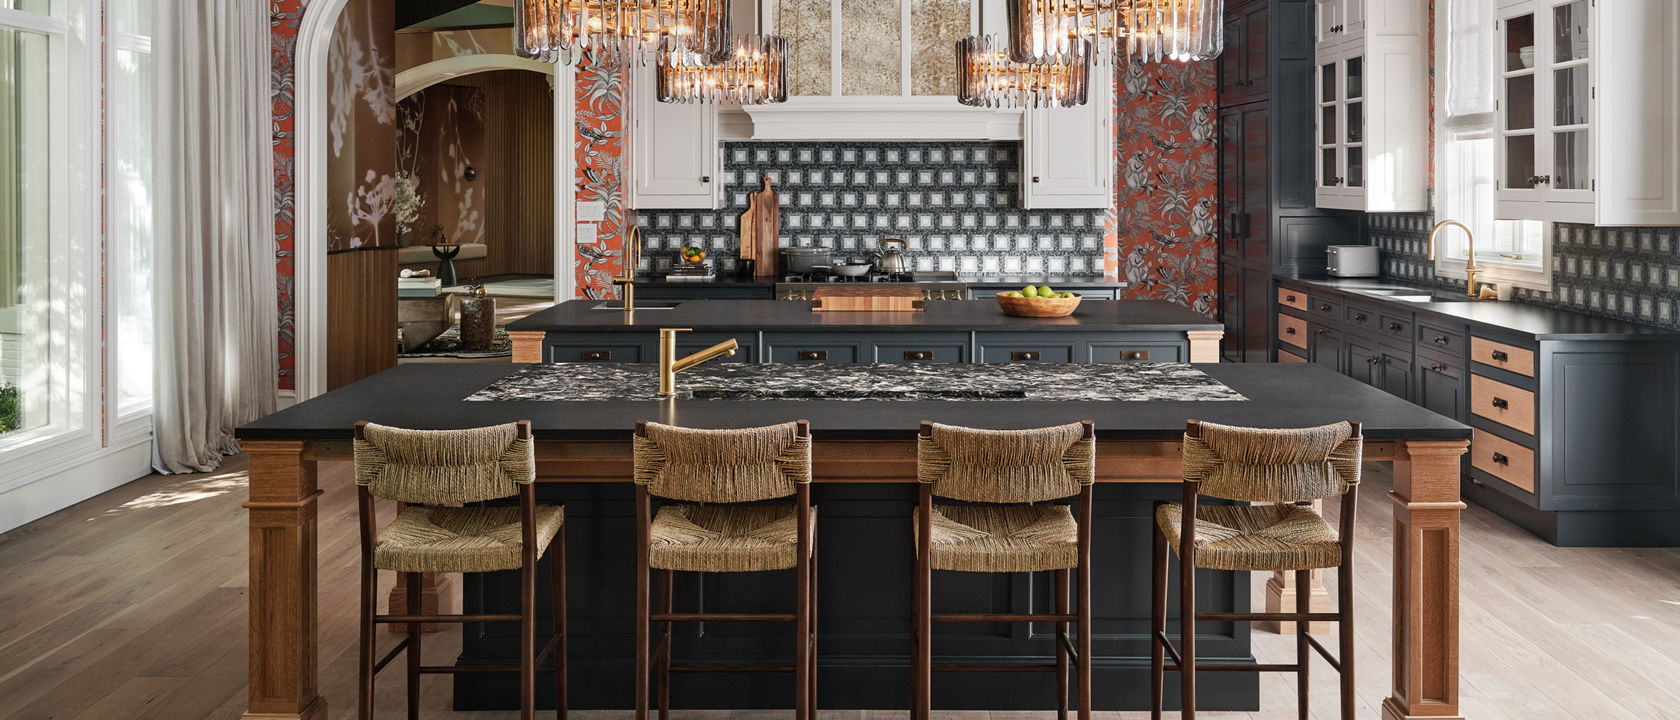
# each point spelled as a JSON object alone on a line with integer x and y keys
{"x": 867, "y": 298}
{"x": 760, "y": 225}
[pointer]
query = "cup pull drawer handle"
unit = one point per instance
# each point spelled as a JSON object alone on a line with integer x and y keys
{"x": 1440, "y": 339}
{"x": 916, "y": 355}
{"x": 1324, "y": 308}
{"x": 1359, "y": 317}
{"x": 1289, "y": 298}
{"x": 595, "y": 355}
{"x": 1289, "y": 331}
{"x": 1501, "y": 355}
{"x": 1501, "y": 459}
{"x": 813, "y": 354}
{"x": 1501, "y": 404}
{"x": 1322, "y": 331}
{"x": 1029, "y": 356}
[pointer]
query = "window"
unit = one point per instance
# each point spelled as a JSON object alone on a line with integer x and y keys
{"x": 1513, "y": 251}
{"x": 129, "y": 187}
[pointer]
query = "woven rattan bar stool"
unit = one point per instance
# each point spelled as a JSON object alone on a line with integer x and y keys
{"x": 1015, "y": 473}
{"x": 1287, "y": 470}
{"x": 430, "y": 472}
{"x": 710, "y": 474}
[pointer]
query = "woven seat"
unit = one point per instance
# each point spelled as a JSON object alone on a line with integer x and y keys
{"x": 451, "y": 539}
{"x": 1256, "y": 537}
{"x": 1003, "y": 538}
{"x": 725, "y": 538}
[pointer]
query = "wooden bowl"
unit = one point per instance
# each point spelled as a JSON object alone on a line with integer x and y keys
{"x": 1039, "y": 307}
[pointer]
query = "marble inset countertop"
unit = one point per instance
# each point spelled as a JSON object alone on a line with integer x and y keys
{"x": 579, "y": 382}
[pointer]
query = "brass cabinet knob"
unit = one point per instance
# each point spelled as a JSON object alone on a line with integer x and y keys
{"x": 1396, "y": 327}
{"x": 595, "y": 355}
{"x": 808, "y": 355}
{"x": 917, "y": 355}
{"x": 1028, "y": 356}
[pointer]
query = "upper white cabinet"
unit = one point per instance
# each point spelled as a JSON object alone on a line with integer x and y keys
{"x": 1370, "y": 129}
{"x": 1067, "y": 154}
{"x": 673, "y": 150}
{"x": 1588, "y": 120}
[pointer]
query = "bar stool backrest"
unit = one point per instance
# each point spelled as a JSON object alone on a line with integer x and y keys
{"x": 1006, "y": 466}
{"x": 722, "y": 466}
{"x": 1277, "y": 466}
{"x": 444, "y": 467}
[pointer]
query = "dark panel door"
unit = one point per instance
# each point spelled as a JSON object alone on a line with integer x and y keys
{"x": 1255, "y": 211}
{"x": 1256, "y": 50}
{"x": 1231, "y": 310}
{"x": 1230, "y": 180}
{"x": 1362, "y": 357}
{"x": 1256, "y": 306}
{"x": 1440, "y": 386}
{"x": 1326, "y": 347}
{"x": 1231, "y": 61}
{"x": 1393, "y": 372}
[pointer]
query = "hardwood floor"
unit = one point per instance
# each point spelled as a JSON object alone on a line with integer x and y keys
{"x": 132, "y": 605}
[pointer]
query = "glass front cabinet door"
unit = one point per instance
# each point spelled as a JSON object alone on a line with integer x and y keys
{"x": 1370, "y": 140}
{"x": 1547, "y": 99}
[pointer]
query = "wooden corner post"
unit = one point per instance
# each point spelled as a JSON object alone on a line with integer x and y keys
{"x": 283, "y": 671}
{"x": 1426, "y": 516}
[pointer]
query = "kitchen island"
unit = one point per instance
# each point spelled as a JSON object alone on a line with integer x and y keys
{"x": 946, "y": 331}
{"x": 864, "y": 464}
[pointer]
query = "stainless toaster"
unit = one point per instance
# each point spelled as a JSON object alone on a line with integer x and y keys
{"x": 1352, "y": 261}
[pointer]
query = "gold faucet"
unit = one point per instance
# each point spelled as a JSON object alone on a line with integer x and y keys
{"x": 626, "y": 279}
{"x": 670, "y": 364}
{"x": 1470, "y": 269}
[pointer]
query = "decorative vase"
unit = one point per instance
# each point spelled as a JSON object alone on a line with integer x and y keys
{"x": 478, "y": 321}
{"x": 402, "y": 237}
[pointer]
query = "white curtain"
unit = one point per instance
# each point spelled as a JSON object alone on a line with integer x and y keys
{"x": 215, "y": 301}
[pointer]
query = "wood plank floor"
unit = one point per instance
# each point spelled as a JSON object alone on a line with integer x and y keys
{"x": 132, "y": 605}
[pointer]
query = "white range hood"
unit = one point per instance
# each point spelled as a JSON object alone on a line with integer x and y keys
{"x": 881, "y": 118}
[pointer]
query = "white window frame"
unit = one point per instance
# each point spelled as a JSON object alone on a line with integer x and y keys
{"x": 1451, "y": 257}
{"x": 132, "y": 420}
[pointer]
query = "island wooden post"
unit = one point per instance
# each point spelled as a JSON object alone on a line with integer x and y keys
{"x": 283, "y": 672}
{"x": 527, "y": 345}
{"x": 1426, "y": 515}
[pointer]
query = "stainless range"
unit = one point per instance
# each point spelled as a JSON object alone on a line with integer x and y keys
{"x": 934, "y": 285}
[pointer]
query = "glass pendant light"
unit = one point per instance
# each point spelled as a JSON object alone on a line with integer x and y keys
{"x": 619, "y": 31}
{"x": 1147, "y": 30}
{"x": 754, "y": 74}
{"x": 988, "y": 77}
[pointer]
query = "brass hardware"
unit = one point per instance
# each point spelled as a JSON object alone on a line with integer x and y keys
{"x": 626, "y": 279}
{"x": 1501, "y": 404}
{"x": 670, "y": 364}
{"x": 1440, "y": 339}
{"x": 705, "y": 178}
{"x": 595, "y": 355}
{"x": 1470, "y": 269}
{"x": 1396, "y": 327}
{"x": 1028, "y": 356}
{"x": 1501, "y": 459}
{"x": 1324, "y": 308}
{"x": 1322, "y": 331}
{"x": 1501, "y": 355}
{"x": 1290, "y": 331}
{"x": 1359, "y": 317}
{"x": 1373, "y": 361}
{"x": 917, "y": 355}
{"x": 1289, "y": 298}
{"x": 813, "y": 355}
{"x": 1035, "y": 178}
{"x": 1143, "y": 355}
{"x": 1438, "y": 367}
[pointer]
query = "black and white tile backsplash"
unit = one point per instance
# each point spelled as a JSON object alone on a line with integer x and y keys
{"x": 956, "y": 204}
{"x": 1630, "y": 273}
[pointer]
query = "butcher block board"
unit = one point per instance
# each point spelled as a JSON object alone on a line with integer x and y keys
{"x": 760, "y": 227}
{"x": 875, "y": 298}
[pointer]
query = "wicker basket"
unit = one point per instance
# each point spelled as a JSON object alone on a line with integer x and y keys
{"x": 1039, "y": 307}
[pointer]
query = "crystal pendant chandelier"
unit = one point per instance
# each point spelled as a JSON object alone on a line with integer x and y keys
{"x": 754, "y": 74}
{"x": 619, "y": 31}
{"x": 1148, "y": 30}
{"x": 987, "y": 77}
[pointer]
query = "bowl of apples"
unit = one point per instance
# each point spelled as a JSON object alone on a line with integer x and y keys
{"x": 1038, "y": 301}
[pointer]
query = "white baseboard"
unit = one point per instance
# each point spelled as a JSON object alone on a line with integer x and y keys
{"x": 106, "y": 470}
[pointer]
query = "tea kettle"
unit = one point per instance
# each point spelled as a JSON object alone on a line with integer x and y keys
{"x": 892, "y": 260}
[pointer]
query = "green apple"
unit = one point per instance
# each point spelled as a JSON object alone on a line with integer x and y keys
{"x": 1028, "y": 291}
{"x": 1044, "y": 291}
{"x": 1016, "y": 294}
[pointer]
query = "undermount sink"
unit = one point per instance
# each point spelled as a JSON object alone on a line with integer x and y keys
{"x": 643, "y": 305}
{"x": 1407, "y": 294}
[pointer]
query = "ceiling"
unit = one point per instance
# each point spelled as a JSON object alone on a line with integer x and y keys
{"x": 442, "y": 14}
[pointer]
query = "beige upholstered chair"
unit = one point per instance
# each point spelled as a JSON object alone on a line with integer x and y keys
{"x": 1007, "y": 477}
{"x": 723, "y": 469}
{"x": 1286, "y": 470}
{"x": 432, "y": 472}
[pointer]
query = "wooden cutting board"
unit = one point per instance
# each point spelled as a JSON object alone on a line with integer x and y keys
{"x": 867, "y": 298}
{"x": 760, "y": 225}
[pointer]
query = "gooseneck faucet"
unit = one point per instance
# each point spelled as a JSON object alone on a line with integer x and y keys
{"x": 670, "y": 364}
{"x": 1470, "y": 269}
{"x": 626, "y": 279}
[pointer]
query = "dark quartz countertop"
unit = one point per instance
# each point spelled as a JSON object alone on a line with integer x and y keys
{"x": 944, "y": 316}
{"x": 1543, "y": 323}
{"x": 433, "y": 396}
{"x": 1058, "y": 281}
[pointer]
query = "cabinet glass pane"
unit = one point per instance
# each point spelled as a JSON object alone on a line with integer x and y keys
{"x": 1327, "y": 83}
{"x": 1355, "y": 122}
{"x": 1519, "y": 43}
{"x": 1571, "y": 161}
{"x": 1519, "y": 161}
{"x": 873, "y": 66}
{"x": 935, "y": 27}
{"x": 1571, "y": 89}
{"x": 29, "y": 381}
{"x": 1327, "y": 124}
{"x": 1519, "y": 102}
{"x": 1569, "y": 32}
{"x": 805, "y": 23}
{"x": 1355, "y": 77}
{"x": 1327, "y": 167}
{"x": 1356, "y": 167}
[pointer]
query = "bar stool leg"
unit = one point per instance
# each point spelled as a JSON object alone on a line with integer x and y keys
{"x": 802, "y": 637}
{"x": 527, "y": 640}
{"x": 922, "y": 708}
{"x": 370, "y": 606}
{"x": 642, "y": 621}
{"x": 1158, "y": 624}
{"x": 1061, "y": 649}
{"x": 413, "y": 647}
{"x": 1086, "y": 612}
{"x": 812, "y": 696}
{"x": 1344, "y": 622}
{"x": 666, "y": 583}
{"x": 1303, "y": 605}
{"x": 1187, "y": 635}
{"x": 557, "y": 591}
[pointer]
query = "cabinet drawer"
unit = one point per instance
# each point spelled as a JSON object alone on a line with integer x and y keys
{"x": 1292, "y": 330}
{"x": 1363, "y": 318}
{"x": 1396, "y": 327}
{"x": 920, "y": 352}
{"x": 1507, "y": 405}
{"x": 813, "y": 347}
{"x": 1499, "y": 355}
{"x": 1503, "y": 459}
{"x": 1025, "y": 352}
{"x": 1118, "y": 352}
{"x": 1326, "y": 309}
{"x": 1289, "y": 297}
{"x": 593, "y": 352}
{"x": 1440, "y": 339}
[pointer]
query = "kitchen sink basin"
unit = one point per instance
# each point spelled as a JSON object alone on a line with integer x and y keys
{"x": 643, "y": 305}
{"x": 1407, "y": 294}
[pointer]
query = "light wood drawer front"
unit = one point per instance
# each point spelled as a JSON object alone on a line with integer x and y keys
{"x": 1285, "y": 356}
{"x": 1507, "y": 357}
{"x": 1292, "y": 298}
{"x": 1510, "y": 406}
{"x": 1292, "y": 330}
{"x": 1503, "y": 459}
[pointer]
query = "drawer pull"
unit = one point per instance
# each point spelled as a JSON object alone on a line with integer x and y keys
{"x": 1501, "y": 355}
{"x": 1373, "y": 360}
{"x": 1289, "y": 298}
{"x": 1027, "y": 356}
{"x": 1501, "y": 403}
{"x": 1324, "y": 308}
{"x": 1501, "y": 459}
{"x": 813, "y": 355}
{"x": 1438, "y": 367}
{"x": 1440, "y": 339}
{"x": 595, "y": 355}
{"x": 1289, "y": 331}
{"x": 1143, "y": 355}
{"x": 1322, "y": 331}
{"x": 1396, "y": 327}
{"x": 916, "y": 355}
{"x": 1360, "y": 317}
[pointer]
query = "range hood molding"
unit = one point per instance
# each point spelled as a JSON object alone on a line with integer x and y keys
{"x": 882, "y": 118}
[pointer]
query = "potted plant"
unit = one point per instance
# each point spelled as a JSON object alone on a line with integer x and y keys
{"x": 409, "y": 203}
